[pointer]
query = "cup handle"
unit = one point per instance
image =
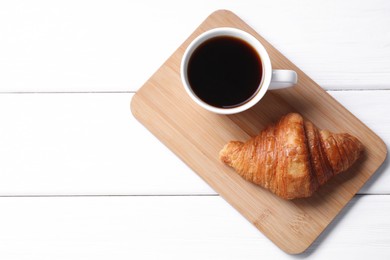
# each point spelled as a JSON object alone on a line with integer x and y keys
{"x": 283, "y": 79}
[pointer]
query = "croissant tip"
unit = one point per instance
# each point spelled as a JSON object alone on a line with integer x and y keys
{"x": 227, "y": 150}
{"x": 224, "y": 154}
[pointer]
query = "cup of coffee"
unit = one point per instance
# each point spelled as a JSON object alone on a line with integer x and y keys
{"x": 227, "y": 71}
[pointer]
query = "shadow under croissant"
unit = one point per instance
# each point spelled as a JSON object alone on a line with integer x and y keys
{"x": 334, "y": 186}
{"x": 382, "y": 169}
{"x": 324, "y": 195}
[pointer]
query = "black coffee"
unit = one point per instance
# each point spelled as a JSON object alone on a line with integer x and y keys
{"x": 225, "y": 72}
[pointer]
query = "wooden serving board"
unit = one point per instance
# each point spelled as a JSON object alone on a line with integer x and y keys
{"x": 196, "y": 136}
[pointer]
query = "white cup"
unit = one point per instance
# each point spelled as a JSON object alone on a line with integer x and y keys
{"x": 271, "y": 79}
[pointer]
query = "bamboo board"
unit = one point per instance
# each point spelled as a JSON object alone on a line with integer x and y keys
{"x": 196, "y": 136}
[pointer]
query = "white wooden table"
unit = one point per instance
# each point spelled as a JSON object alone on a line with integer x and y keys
{"x": 80, "y": 178}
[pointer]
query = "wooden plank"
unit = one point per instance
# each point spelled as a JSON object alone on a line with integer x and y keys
{"x": 197, "y": 136}
{"x": 84, "y": 144}
{"x": 78, "y": 50}
{"x": 64, "y": 144}
{"x": 194, "y": 227}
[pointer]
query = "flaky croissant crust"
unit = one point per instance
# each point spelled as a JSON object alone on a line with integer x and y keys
{"x": 292, "y": 158}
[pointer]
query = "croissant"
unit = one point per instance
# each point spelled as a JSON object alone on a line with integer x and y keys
{"x": 292, "y": 158}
